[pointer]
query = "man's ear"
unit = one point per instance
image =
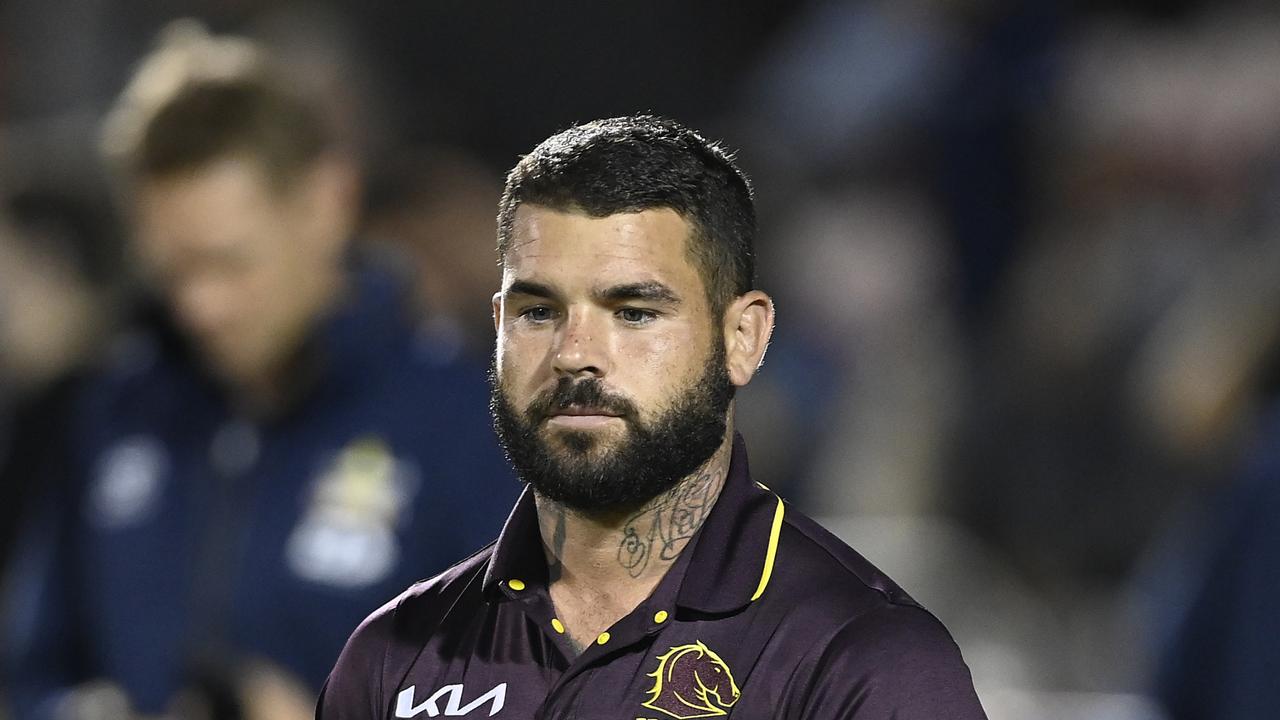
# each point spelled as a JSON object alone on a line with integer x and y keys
{"x": 748, "y": 323}
{"x": 497, "y": 311}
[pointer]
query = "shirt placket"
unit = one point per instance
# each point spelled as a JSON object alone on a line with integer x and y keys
{"x": 577, "y": 693}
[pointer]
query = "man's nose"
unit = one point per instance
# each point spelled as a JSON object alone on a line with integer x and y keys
{"x": 582, "y": 346}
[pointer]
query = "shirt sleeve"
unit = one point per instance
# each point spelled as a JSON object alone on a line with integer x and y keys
{"x": 354, "y": 690}
{"x": 896, "y": 663}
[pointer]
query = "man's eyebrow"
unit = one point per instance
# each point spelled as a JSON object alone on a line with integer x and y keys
{"x": 650, "y": 291}
{"x": 528, "y": 287}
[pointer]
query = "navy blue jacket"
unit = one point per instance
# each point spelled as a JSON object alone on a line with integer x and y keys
{"x": 190, "y": 539}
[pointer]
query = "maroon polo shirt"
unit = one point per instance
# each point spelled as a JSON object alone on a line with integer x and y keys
{"x": 764, "y": 616}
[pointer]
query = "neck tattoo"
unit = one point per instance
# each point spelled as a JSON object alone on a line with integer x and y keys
{"x": 657, "y": 533}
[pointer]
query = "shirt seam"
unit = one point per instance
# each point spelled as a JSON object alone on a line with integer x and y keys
{"x": 905, "y": 601}
{"x": 386, "y": 659}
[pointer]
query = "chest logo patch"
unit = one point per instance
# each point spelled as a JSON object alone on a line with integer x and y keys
{"x": 128, "y": 483}
{"x": 347, "y": 536}
{"x": 692, "y": 682}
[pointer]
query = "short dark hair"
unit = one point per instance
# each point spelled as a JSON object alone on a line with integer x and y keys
{"x": 642, "y": 162}
{"x": 200, "y": 98}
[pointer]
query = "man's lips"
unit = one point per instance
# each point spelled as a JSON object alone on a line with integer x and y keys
{"x": 580, "y": 411}
{"x": 582, "y": 417}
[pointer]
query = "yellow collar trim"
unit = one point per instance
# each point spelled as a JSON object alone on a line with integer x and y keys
{"x": 772, "y": 553}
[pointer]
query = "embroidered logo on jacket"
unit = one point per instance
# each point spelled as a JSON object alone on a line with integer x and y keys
{"x": 692, "y": 682}
{"x": 453, "y": 706}
{"x": 128, "y": 483}
{"x": 347, "y": 537}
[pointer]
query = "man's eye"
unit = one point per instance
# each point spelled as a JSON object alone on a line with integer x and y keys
{"x": 537, "y": 313}
{"x": 636, "y": 316}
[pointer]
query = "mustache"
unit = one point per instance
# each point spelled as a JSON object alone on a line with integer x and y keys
{"x": 586, "y": 393}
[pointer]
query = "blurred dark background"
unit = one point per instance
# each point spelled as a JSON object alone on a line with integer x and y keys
{"x": 1026, "y": 258}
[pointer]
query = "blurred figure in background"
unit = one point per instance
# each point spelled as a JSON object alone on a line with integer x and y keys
{"x": 433, "y": 209}
{"x": 1123, "y": 370}
{"x": 1210, "y": 376}
{"x": 1221, "y": 653}
{"x": 272, "y": 452}
{"x": 52, "y": 304}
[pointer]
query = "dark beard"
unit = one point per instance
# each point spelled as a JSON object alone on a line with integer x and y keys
{"x": 651, "y": 459}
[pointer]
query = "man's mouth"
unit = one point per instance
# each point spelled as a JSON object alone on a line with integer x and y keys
{"x": 581, "y": 417}
{"x": 583, "y": 411}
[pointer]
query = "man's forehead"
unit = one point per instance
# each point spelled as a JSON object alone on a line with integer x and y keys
{"x": 544, "y": 240}
{"x": 538, "y": 229}
{"x": 567, "y": 252}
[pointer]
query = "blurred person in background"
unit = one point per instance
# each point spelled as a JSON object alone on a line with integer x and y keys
{"x": 1220, "y": 651}
{"x": 52, "y": 303}
{"x": 1122, "y": 369}
{"x": 433, "y": 209}
{"x": 1210, "y": 376}
{"x": 273, "y": 449}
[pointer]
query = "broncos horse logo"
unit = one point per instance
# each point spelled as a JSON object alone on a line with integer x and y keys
{"x": 692, "y": 682}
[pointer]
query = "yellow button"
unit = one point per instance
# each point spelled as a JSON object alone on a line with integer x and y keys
{"x": 660, "y": 616}
{"x": 557, "y": 625}
{"x": 604, "y": 638}
{"x": 516, "y": 584}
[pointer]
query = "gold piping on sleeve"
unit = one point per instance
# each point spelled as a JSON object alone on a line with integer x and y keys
{"x": 772, "y": 553}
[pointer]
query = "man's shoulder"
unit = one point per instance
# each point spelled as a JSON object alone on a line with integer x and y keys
{"x": 900, "y": 660}
{"x": 825, "y": 584}
{"x": 138, "y": 385}
{"x": 812, "y": 558}
{"x": 389, "y": 640}
{"x": 137, "y": 359}
{"x": 418, "y": 611}
{"x": 859, "y": 629}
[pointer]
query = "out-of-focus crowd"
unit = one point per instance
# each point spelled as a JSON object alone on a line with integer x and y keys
{"x": 1026, "y": 258}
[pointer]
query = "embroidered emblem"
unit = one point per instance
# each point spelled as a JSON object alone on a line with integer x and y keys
{"x": 128, "y": 484}
{"x": 692, "y": 682}
{"x": 347, "y": 537}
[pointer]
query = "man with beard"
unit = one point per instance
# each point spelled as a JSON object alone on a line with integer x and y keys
{"x": 642, "y": 574}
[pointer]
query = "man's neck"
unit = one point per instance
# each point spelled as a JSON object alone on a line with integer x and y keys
{"x": 273, "y": 394}
{"x": 282, "y": 384}
{"x": 601, "y": 566}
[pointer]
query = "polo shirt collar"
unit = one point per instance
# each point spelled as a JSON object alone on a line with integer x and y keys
{"x": 518, "y": 552}
{"x": 732, "y": 553}
{"x": 734, "y": 550}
